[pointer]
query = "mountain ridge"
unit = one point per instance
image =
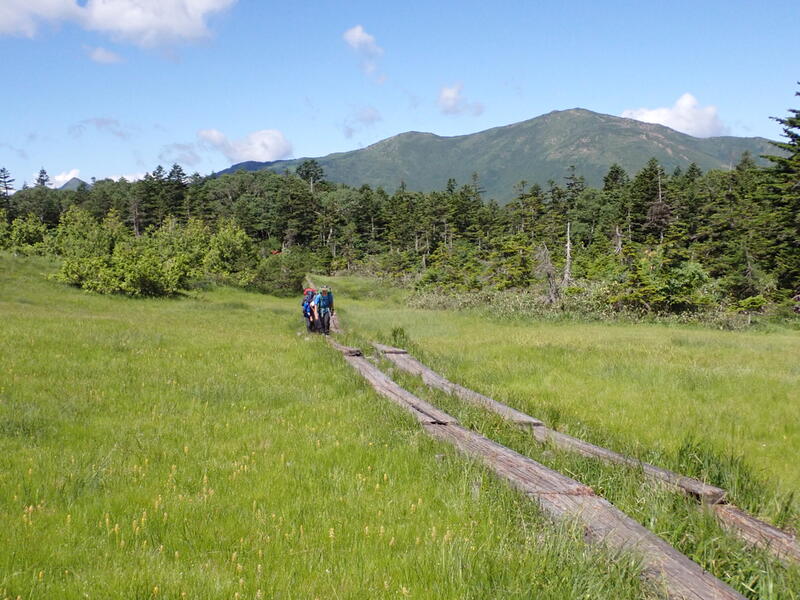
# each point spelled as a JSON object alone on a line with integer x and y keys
{"x": 536, "y": 150}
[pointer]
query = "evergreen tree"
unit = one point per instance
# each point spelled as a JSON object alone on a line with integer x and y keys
{"x": 311, "y": 171}
{"x": 6, "y": 189}
{"x": 615, "y": 179}
{"x": 783, "y": 192}
{"x": 645, "y": 191}
{"x": 43, "y": 179}
{"x": 175, "y": 192}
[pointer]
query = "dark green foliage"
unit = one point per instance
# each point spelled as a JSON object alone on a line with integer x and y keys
{"x": 659, "y": 281}
{"x": 281, "y": 274}
{"x": 312, "y": 172}
{"x": 27, "y": 235}
{"x": 782, "y": 193}
{"x": 6, "y": 188}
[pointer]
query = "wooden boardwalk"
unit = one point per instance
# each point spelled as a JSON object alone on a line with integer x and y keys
{"x": 559, "y": 496}
{"x": 744, "y": 526}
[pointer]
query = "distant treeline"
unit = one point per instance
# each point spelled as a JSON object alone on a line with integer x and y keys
{"x": 650, "y": 241}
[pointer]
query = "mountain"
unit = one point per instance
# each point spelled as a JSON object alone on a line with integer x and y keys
{"x": 73, "y": 184}
{"x": 536, "y": 150}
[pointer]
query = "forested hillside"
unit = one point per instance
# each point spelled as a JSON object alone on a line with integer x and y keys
{"x": 653, "y": 241}
{"x": 535, "y": 150}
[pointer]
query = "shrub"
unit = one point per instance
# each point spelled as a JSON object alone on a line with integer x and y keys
{"x": 231, "y": 255}
{"x": 27, "y": 235}
{"x": 281, "y": 274}
{"x": 5, "y": 230}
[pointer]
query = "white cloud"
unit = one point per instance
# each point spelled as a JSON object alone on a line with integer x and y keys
{"x": 183, "y": 154}
{"x": 20, "y": 152}
{"x": 263, "y": 146}
{"x": 143, "y": 22}
{"x": 366, "y": 116}
{"x": 22, "y": 17}
{"x": 367, "y": 48}
{"x": 362, "y": 42}
{"x": 103, "y": 56}
{"x": 452, "y": 102}
{"x": 686, "y": 115}
{"x": 128, "y": 177}
{"x": 57, "y": 181}
{"x": 101, "y": 124}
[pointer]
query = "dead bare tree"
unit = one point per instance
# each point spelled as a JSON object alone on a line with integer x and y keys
{"x": 568, "y": 262}
{"x": 545, "y": 268}
{"x": 617, "y": 240}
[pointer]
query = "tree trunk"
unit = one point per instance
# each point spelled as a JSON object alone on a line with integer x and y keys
{"x": 568, "y": 261}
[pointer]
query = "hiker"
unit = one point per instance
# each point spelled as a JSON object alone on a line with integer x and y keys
{"x": 308, "y": 313}
{"x": 322, "y": 306}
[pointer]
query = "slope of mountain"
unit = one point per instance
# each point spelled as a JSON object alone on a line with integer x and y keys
{"x": 536, "y": 150}
{"x": 73, "y": 184}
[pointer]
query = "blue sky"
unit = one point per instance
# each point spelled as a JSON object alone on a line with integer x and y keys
{"x": 99, "y": 88}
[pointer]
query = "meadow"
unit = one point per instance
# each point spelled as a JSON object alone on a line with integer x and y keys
{"x": 206, "y": 447}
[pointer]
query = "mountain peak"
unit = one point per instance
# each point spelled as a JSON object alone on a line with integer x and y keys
{"x": 73, "y": 184}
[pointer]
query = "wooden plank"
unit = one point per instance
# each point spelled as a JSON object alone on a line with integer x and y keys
{"x": 703, "y": 491}
{"x": 758, "y": 533}
{"x": 408, "y": 363}
{"x": 706, "y": 493}
{"x": 346, "y": 350}
{"x": 422, "y": 411}
{"x": 388, "y": 349}
{"x": 561, "y": 497}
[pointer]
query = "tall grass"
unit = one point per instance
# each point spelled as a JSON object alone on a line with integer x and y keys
{"x": 205, "y": 447}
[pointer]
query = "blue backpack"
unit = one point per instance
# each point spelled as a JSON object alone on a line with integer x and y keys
{"x": 306, "y": 304}
{"x": 325, "y": 300}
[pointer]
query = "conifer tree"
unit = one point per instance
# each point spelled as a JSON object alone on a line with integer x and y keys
{"x": 783, "y": 192}
{"x": 6, "y": 188}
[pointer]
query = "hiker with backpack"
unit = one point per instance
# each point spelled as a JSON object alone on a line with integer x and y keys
{"x": 322, "y": 306}
{"x": 308, "y": 312}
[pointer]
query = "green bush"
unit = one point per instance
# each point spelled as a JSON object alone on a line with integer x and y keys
{"x": 231, "y": 255}
{"x": 5, "y": 230}
{"x": 27, "y": 235}
{"x": 281, "y": 274}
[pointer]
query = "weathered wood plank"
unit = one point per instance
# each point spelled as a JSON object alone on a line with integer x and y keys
{"x": 704, "y": 492}
{"x": 346, "y": 350}
{"x": 758, "y": 533}
{"x": 422, "y": 411}
{"x": 384, "y": 349}
{"x": 431, "y": 378}
{"x": 562, "y": 497}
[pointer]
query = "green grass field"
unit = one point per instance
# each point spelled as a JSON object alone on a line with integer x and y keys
{"x": 205, "y": 447}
